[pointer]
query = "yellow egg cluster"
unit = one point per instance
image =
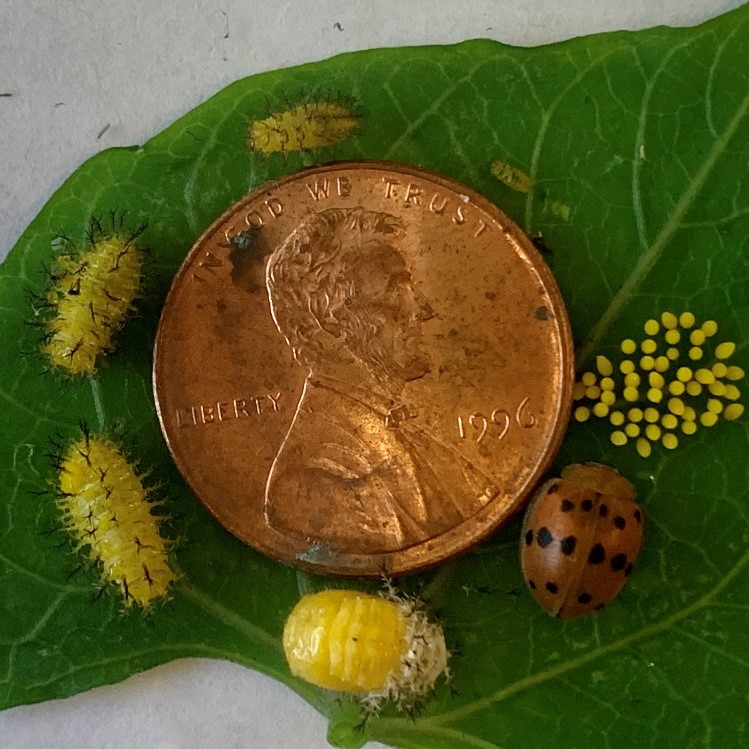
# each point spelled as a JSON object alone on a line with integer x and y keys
{"x": 677, "y": 379}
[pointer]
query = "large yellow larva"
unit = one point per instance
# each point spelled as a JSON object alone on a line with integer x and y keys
{"x": 381, "y": 648}
{"x": 305, "y": 127}
{"x": 107, "y": 510}
{"x": 92, "y": 291}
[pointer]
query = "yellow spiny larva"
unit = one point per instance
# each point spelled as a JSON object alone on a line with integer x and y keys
{"x": 106, "y": 508}
{"x": 304, "y": 127}
{"x": 381, "y": 648}
{"x": 663, "y": 388}
{"x": 92, "y": 293}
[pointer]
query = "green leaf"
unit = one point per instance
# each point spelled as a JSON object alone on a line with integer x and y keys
{"x": 637, "y": 145}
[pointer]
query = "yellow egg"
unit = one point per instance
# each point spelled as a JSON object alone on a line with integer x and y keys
{"x": 628, "y": 346}
{"x": 604, "y": 366}
{"x": 357, "y": 642}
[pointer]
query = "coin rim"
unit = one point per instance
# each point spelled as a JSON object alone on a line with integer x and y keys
{"x": 433, "y": 550}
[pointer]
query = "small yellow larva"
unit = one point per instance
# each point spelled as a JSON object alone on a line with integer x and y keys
{"x": 92, "y": 291}
{"x": 381, "y": 648}
{"x": 106, "y": 508}
{"x": 305, "y": 127}
{"x": 512, "y": 176}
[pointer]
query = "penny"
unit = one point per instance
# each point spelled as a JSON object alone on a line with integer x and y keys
{"x": 363, "y": 368}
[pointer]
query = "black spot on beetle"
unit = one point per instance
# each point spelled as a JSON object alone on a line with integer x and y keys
{"x": 529, "y": 537}
{"x": 568, "y": 545}
{"x": 618, "y": 562}
{"x": 598, "y": 607}
{"x": 532, "y": 584}
{"x": 552, "y": 587}
{"x": 603, "y": 511}
{"x": 587, "y": 505}
{"x": 620, "y": 522}
{"x": 628, "y": 570}
{"x": 584, "y": 598}
{"x": 567, "y": 505}
{"x": 544, "y": 537}
{"x": 638, "y": 517}
{"x": 554, "y": 488}
{"x": 597, "y": 554}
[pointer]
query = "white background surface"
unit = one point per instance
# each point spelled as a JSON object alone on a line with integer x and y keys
{"x": 75, "y": 66}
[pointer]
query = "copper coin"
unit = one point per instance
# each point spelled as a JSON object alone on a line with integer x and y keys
{"x": 363, "y": 368}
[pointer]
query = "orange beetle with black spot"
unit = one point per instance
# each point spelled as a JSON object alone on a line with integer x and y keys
{"x": 581, "y": 536}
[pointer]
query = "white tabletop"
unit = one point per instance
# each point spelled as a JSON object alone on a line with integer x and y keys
{"x": 87, "y": 75}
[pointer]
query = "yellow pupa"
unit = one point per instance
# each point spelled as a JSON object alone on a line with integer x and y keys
{"x": 108, "y": 512}
{"x": 92, "y": 292}
{"x": 381, "y": 648}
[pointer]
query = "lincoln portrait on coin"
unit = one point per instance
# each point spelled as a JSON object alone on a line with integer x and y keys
{"x": 358, "y": 470}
